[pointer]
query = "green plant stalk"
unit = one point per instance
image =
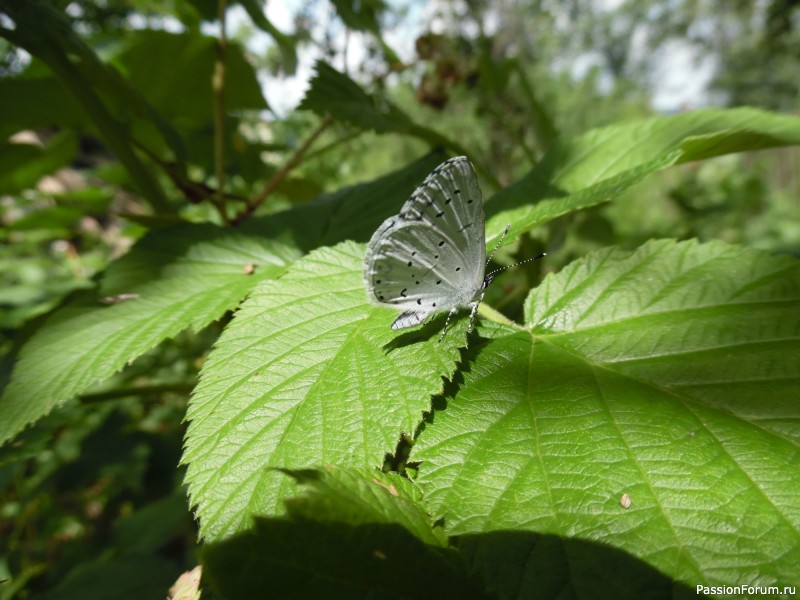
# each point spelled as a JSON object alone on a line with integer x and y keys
{"x": 491, "y": 314}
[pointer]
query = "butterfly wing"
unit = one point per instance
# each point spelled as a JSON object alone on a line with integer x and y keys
{"x": 432, "y": 255}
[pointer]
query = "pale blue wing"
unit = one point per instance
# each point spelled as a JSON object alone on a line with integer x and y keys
{"x": 432, "y": 255}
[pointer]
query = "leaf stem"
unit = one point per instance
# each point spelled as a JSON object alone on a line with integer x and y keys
{"x": 342, "y": 140}
{"x": 488, "y": 312}
{"x": 281, "y": 175}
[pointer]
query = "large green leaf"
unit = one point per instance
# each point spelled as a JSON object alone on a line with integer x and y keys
{"x": 174, "y": 72}
{"x": 178, "y": 277}
{"x": 307, "y": 373}
{"x": 600, "y": 164}
{"x": 670, "y": 374}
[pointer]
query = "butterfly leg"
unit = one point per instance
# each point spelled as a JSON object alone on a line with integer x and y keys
{"x": 452, "y": 312}
{"x": 474, "y": 310}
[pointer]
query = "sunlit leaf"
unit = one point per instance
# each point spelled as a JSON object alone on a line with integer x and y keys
{"x": 180, "y": 277}
{"x": 307, "y": 373}
{"x": 600, "y": 164}
{"x": 670, "y": 374}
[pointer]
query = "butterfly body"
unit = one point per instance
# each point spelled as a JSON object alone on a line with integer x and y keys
{"x": 431, "y": 257}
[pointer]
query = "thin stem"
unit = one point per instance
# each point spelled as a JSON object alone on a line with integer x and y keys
{"x": 328, "y": 147}
{"x": 281, "y": 175}
{"x": 218, "y": 84}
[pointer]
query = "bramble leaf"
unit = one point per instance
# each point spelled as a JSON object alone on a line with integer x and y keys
{"x": 671, "y": 375}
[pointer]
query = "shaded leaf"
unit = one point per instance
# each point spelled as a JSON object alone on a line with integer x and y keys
{"x": 360, "y": 496}
{"x": 521, "y": 564}
{"x": 37, "y": 104}
{"x": 346, "y": 537}
{"x": 309, "y": 559}
{"x": 174, "y": 72}
{"x": 133, "y": 578}
{"x": 152, "y": 526}
{"x": 359, "y": 15}
{"x": 46, "y": 33}
{"x": 350, "y": 213}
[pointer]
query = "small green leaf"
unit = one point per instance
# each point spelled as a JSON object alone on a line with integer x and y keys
{"x": 360, "y": 496}
{"x": 287, "y": 44}
{"x": 307, "y": 373}
{"x": 174, "y": 73}
{"x": 359, "y": 15}
{"x": 334, "y": 93}
{"x": 179, "y": 277}
{"x": 670, "y": 374}
{"x": 600, "y": 164}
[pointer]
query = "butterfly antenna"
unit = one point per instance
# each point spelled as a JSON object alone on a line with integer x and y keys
{"x": 489, "y": 276}
{"x": 522, "y": 262}
{"x": 497, "y": 245}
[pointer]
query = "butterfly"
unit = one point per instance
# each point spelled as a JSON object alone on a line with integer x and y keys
{"x": 431, "y": 257}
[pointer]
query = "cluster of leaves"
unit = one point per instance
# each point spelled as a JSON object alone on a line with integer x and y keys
{"x": 635, "y": 432}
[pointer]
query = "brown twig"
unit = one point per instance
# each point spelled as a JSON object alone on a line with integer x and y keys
{"x": 281, "y": 175}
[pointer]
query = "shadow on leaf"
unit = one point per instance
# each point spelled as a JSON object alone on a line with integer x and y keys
{"x": 308, "y": 559}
